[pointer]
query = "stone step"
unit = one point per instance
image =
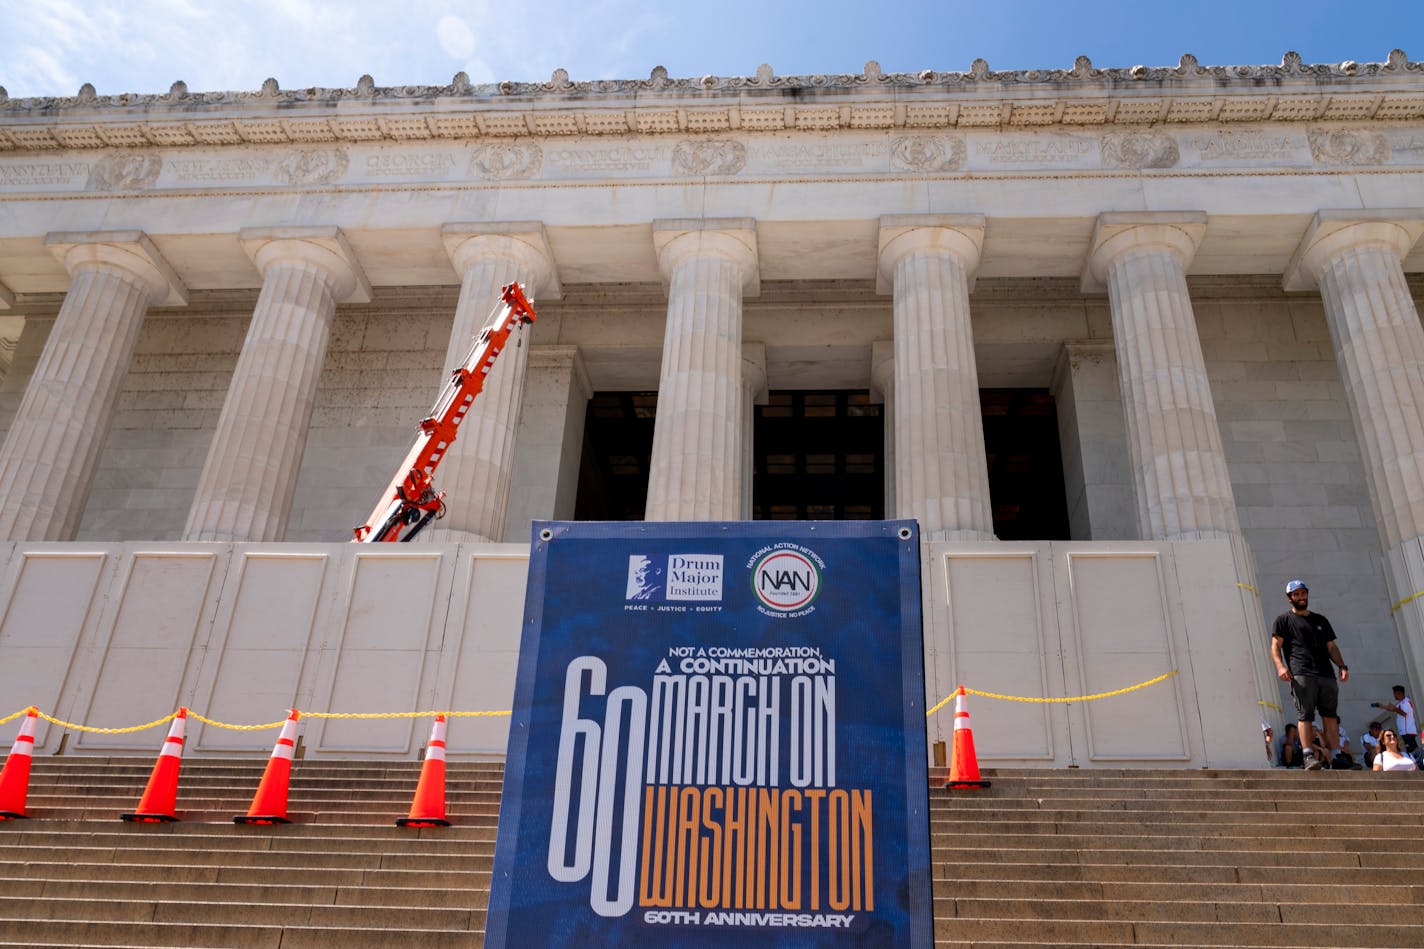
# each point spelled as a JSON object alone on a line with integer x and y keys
{"x": 1232, "y": 909}
{"x": 59, "y": 932}
{"x": 368, "y": 860}
{"x": 1155, "y": 810}
{"x": 273, "y": 839}
{"x": 993, "y": 872}
{"x": 1174, "y": 933}
{"x": 328, "y": 894}
{"x": 1332, "y": 893}
{"x": 13, "y": 909}
{"x": 459, "y": 815}
{"x": 152, "y": 873}
{"x": 1404, "y": 829}
{"x": 23, "y": 829}
{"x": 949, "y": 859}
{"x": 1322, "y": 841}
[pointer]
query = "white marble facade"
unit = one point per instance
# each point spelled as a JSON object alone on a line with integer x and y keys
{"x": 223, "y": 312}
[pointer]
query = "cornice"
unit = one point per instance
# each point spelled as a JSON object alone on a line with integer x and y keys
{"x": 979, "y": 98}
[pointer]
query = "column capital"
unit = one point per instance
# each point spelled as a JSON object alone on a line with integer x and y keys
{"x": 525, "y": 242}
{"x": 959, "y": 234}
{"x": 1116, "y": 233}
{"x": 129, "y": 250}
{"x": 735, "y": 238}
{"x": 1332, "y": 232}
{"x": 323, "y": 247}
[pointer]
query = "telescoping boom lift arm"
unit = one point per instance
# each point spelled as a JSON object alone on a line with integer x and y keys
{"x": 410, "y": 501}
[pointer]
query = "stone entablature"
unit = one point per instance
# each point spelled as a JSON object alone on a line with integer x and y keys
{"x": 736, "y": 156}
{"x": 980, "y": 98}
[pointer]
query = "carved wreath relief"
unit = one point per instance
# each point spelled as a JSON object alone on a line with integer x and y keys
{"x": 125, "y": 172}
{"x": 718, "y": 157}
{"x": 1348, "y": 147}
{"x": 312, "y": 166}
{"x": 1151, "y": 149}
{"x": 927, "y": 153}
{"x": 504, "y": 161}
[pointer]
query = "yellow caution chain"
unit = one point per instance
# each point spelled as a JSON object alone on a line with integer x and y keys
{"x": 1072, "y": 698}
{"x": 244, "y": 728}
{"x": 1408, "y": 599}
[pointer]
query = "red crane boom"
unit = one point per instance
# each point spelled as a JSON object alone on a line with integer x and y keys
{"x": 410, "y": 501}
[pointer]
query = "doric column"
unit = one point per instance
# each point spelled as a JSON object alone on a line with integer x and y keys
{"x": 1178, "y": 465}
{"x": 882, "y": 381}
{"x": 478, "y": 472}
{"x": 1354, "y": 257}
{"x": 245, "y": 490}
{"x": 753, "y": 389}
{"x": 941, "y": 475}
{"x": 696, "y": 468}
{"x": 48, "y": 459}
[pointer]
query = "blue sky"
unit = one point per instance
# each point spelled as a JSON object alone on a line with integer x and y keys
{"x": 51, "y": 47}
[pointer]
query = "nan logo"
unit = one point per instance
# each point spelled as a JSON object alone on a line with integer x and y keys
{"x": 694, "y": 577}
{"x": 786, "y": 579}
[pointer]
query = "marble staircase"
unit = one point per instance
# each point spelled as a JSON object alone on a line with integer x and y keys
{"x": 1043, "y": 857}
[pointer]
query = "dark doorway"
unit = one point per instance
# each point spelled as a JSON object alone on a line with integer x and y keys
{"x": 617, "y": 446}
{"x": 1025, "y": 464}
{"x": 819, "y": 456}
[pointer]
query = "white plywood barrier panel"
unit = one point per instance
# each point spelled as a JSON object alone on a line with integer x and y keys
{"x": 395, "y": 608}
{"x": 1216, "y": 656}
{"x": 996, "y": 609}
{"x": 115, "y": 635}
{"x": 1123, "y": 631}
{"x": 266, "y": 621}
{"x": 153, "y": 633}
{"x": 49, "y": 602}
{"x": 485, "y": 619}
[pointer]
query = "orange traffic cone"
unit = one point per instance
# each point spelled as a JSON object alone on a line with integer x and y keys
{"x": 269, "y": 804}
{"x": 428, "y": 808}
{"x": 963, "y": 762}
{"x": 15, "y": 779}
{"x": 156, "y": 805}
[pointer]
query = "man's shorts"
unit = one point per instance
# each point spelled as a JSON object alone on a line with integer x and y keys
{"x": 1315, "y": 694}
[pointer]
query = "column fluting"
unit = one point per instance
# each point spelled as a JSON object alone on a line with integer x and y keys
{"x": 51, "y": 451}
{"x": 696, "y": 470}
{"x": 1180, "y": 477}
{"x": 941, "y": 473}
{"x": 477, "y": 473}
{"x": 248, "y": 481}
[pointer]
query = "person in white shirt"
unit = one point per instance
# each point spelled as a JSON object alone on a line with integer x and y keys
{"x": 1371, "y": 742}
{"x": 1403, "y": 710}
{"x": 1390, "y": 757}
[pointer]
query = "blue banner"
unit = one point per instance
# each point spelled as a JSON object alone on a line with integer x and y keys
{"x": 718, "y": 735}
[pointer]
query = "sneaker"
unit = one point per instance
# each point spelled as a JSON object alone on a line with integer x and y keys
{"x": 1313, "y": 763}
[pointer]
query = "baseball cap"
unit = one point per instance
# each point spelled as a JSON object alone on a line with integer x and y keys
{"x": 1295, "y": 585}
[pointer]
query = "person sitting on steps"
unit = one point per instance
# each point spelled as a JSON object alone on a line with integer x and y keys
{"x": 1391, "y": 757}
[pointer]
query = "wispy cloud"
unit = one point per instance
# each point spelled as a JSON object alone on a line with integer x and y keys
{"x": 50, "y": 47}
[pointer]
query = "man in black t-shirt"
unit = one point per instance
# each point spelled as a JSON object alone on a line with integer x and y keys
{"x": 1303, "y": 646}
